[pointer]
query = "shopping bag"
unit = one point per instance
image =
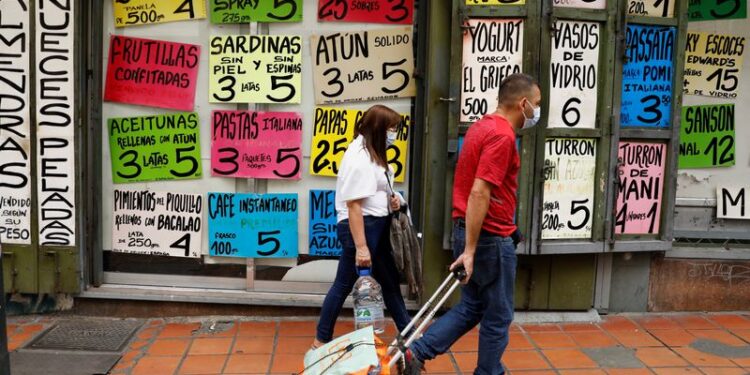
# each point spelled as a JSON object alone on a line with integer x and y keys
{"x": 348, "y": 354}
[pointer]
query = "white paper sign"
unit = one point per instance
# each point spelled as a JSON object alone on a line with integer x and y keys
{"x": 492, "y": 50}
{"x": 651, "y": 8}
{"x": 15, "y": 139}
{"x": 569, "y": 171}
{"x": 732, "y": 203}
{"x": 573, "y": 73}
{"x": 586, "y": 4}
{"x": 157, "y": 223}
{"x": 55, "y": 99}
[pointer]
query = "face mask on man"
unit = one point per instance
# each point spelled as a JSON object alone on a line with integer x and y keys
{"x": 391, "y": 137}
{"x": 531, "y": 122}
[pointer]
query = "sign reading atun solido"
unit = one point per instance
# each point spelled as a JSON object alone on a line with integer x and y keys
{"x": 150, "y": 148}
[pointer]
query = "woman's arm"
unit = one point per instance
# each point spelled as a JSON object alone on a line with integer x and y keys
{"x": 357, "y": 227}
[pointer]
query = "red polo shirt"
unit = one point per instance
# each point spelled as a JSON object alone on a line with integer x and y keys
{"x": 489, "y": 153}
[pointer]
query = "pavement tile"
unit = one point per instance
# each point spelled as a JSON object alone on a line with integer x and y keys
{"x": 287, "y": 363}
{"x": 293, "y": 345}
{"x": 514, "y": 327}
{"x": 231, "y": 332}
{"x": 524, "y": 360}
{"x": 744, "y": 362}
{"x": 535, "y": 372}
{"x": 693, "y": 322}
{"x": 723, "y": 371}
{"x": 204, "y": 346}
{"x": 257, "y": 329}
{"x": 552, "y": 340}
{"x": 203, "y": 364}
{"x": 304, "y": 328}
{"x": 629, "y": 371}
{"x": 743, "y": 333}
{"x": 717, "y": 335}
{"x": 248, "y": 364}
{"x": 466, "y": 362}
{"x": 518, "y": 341}
{"x": 32, "y": 328}
{"x": 169, "y": 347}
{"x": 343, "y": 327}
{"x": 618, "y": 323}
{"x": 580, "y": 327}
{"x": 130, "y": 356}
{"x": 253, "y": 345}
{"x": 703, "y": 359}
{"x": 659, "y": 357}
{"x": 676, "y": 371}
{"x": 635, "y": 339}
{"x": 730, "y": 321}
{"x": 148, "y": 333}
{"x": 569, "y": 359}
{"x": 592, "y": 339}
{"x": 442, "y": 364}
{"x": 673, "y": 337}
{"x": 541, "y": 328}
{"x": 150, "y": 365}
{"x": 653, "y": 323}
{"x": 467, "y": 343}
{"x": 173, "y": 330}
{"x": 583, "y": 372}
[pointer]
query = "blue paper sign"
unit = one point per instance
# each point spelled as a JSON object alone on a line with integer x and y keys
{"x": 322, "y": 237}
{"x": 647, "y": 76}
{"x": 252, "y": 225}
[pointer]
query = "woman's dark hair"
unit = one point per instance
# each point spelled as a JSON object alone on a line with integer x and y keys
{"x": 373, "y": 126}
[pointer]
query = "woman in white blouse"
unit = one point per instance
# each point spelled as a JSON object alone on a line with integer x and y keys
{"x": 364, "y": 200}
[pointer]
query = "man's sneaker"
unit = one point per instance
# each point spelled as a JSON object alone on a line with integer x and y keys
{"x": 412, "y": 364}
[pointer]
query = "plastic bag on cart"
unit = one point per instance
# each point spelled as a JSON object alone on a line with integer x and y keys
{"x": 356, "y": 353}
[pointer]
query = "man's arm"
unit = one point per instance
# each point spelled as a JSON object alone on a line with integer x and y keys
{"x": 476, "y": 210}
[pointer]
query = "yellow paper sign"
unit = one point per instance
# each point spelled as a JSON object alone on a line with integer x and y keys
{"x": 495, "y": 2}
{"x": 713, "y": 65}
{"x": 334, "y": 130}
{"x": 255, "y": 69}
{"x": 142, "y": 12}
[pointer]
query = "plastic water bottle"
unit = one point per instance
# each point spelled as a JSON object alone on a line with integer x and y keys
{"x": 368, "y": 303}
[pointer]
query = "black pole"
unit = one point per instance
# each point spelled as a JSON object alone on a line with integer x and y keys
{"x": 4, "y": 357}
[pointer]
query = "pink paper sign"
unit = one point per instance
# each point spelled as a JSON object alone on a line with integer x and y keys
{"x": 256, "y": 144}
{"x": 640, "y": 189}
{"x": 153, "y": 73}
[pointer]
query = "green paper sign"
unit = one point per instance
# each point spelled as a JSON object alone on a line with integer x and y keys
{"x": 246, "y": 11}
{"x": 706, "y": 10}
{"x": 707, "y": 136}
{"x": 151, "y": 148}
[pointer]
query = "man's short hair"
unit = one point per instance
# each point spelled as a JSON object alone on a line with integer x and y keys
{"x": 514, "y": 87}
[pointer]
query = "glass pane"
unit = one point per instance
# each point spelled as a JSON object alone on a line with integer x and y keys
{"x": 641, "y": 185}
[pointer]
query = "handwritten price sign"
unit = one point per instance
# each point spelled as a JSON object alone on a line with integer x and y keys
{"x": 252, "y": 225}
{"x": 374, "y": 11}
{"x": 363, "y": 66}
{"x": 706, "y": 10}
{"x": 651, "y": 8}
{"x": 322, "y": 233}
{"x": 334, "y": 130}
{"x": 713, "y": 64}
{"x": 255, "y": 69}
{"x": 142, "y": 12}
{"x": 228, "y": 11}
{"x": 641, "y": 179}
{"x": 707, "y": 137}
{"x": 495, "y": 2}
{"x": 256, "y": 144}
{"x": 150, "y": 148}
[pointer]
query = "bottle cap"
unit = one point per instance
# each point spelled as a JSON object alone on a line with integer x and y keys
{"x": 363, "y": 272}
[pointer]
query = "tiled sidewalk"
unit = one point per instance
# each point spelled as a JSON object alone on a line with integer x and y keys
{"x": 629, "y": 344}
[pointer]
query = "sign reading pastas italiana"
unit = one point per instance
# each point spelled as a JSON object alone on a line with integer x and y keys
{"x": 492, "y": 50}
{"x": 713, "y": 64}
{"x": 706, "y": 10}
{"x": 322, "y": 235}
{"x": 641, "y": 179}
{"x": 141, "y": 12}
{"x": 15, "y": 131}
{"x": 153, "y": 73}
{"x": 256, "y": 144}
{"x": 245, "y": 11}
{"x": 149, "y": 148}
{"x": 651, "y": 8}
{"x": 707, "y": 136}
{"x": 575, "y": 60}
{"x": 157, "y": 223}
{"x": 252, "y": 225}
{"x": 363, "y": 66}
{"x": 334, "y": 130}
{"x": 255, "y": 69}
{"x": 569, "y": 168}
{"x": 647, "y": 76}
{"x": 585, "y": 4}
{"x": 733, "y": 202}
{"x": 373, "y": 11}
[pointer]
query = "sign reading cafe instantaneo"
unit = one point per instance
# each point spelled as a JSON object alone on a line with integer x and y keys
{"x": 255, "y": 69}
{"x": 492, "y": 50}
{"x": 575, "y": 60}
{"x": 157, "y": 223}
{"x": 252, "y": 225}
{"x": 15, "y": 130}
{"x": 55, "y": 122}
{"x": 569, "y": 168}
{"x": 707, "y": 137}
{"x": 363, "y": 66}
{"x": 641, "y": 181}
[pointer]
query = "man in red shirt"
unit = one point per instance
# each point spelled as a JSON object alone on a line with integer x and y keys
{"x": 484, "y": 204}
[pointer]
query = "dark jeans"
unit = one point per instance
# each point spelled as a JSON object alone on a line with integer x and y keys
{"x": 486, "y": 300}
{"x": 377, "y": 233}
